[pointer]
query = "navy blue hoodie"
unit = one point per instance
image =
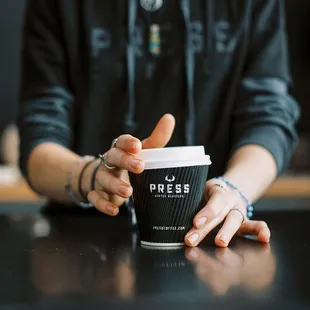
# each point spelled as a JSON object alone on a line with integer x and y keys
{"x": 89, "y": 75}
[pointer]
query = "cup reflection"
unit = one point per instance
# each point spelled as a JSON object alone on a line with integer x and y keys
{"x": 72, "y": 261}
{"x": 163, "y": 271}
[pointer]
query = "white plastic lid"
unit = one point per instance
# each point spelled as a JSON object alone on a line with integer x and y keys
{"x": 172, "y": 157}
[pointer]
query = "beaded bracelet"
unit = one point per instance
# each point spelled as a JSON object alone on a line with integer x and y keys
{"x": 69, "y": 188}
{"x": 250, "y": 207}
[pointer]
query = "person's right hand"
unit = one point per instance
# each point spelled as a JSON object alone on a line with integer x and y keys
{"x": 112, "y": 186}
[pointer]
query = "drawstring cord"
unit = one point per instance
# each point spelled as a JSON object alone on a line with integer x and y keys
{"x": 130, "y": 125}
{"x": 189, "y": 71}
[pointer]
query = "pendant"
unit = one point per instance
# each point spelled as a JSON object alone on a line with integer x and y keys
{"x": 154, "y": 41}
{"x": 151, "y": 5}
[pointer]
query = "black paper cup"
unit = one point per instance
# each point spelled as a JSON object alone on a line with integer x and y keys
{"x": 169, "y": 193}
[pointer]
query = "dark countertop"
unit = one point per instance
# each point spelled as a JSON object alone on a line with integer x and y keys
{"x": 84, "y": 260}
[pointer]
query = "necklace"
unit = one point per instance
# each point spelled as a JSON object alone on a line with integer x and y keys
{"x": 151, "y": 5}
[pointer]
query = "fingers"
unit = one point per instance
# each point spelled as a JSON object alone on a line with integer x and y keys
{"x": 112, "y": 184}
{"x": 218, "y": 196}
{"x": 210, "y": 216}
{"x": 230, "y": 227}
{"x": 215, "y": 204}
{"x": 160, "y": 136}
{"x": 116, "y": 157}
{"x": 122, "y": 156}
{"x": 100, "y": 201}
{"x": 196, "y": 235}
{"x": 258, "y": 228}
{"x": 162, "y": 133}
{"x": 221, "y": 201}
{"x": 129, "y": 144}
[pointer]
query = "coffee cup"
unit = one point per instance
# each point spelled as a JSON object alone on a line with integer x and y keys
{"x": 169, "y": 193}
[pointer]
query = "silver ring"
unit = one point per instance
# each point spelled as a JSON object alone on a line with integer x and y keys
{"x": 113, "y": 144}
{"x": 221, "y": 186}
{"x": 103, "y": 161}
{"x": 237, "y": 209}
{"x": 103, "y": 156}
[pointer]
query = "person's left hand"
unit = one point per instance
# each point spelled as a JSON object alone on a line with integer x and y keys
{"x": 224, "y": 205}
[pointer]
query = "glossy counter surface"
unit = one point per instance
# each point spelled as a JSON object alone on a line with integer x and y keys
{"x": 81, "y": 260}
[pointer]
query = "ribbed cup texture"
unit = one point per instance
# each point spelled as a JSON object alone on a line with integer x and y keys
{"x": 167, "y": 200}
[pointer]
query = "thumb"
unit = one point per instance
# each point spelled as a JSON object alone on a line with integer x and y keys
{"x": 162, "y": 133}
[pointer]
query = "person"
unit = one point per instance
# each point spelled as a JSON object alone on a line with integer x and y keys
{"x": 94, "y": 71}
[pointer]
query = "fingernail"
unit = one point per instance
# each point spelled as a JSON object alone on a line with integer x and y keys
{"x": 192, "y": 254}
{"x": 201, "y": 221}
{"x": 224, "y": 238}
{"x": 193, "y": 238}
{"x": 111, "y": 210}
{"x": 137, "y": 164}
{"x": 125, "y": 190}
{"x": 135, "y": 145}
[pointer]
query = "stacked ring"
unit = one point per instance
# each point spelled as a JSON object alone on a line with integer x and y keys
{"x": 103, "y": 157}
{"x": 237, "y": 209}
{"x": 221, "y": 186}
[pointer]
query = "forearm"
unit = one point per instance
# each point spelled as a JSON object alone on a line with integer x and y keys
{"x": 49, "y": 165}
{"x": 252, "y": 169}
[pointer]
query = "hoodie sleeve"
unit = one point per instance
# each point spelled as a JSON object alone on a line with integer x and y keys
{"x": 265, "y": 114}
{"x": 45, "y": 97}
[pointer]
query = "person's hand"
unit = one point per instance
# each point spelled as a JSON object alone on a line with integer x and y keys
{"x": 112, "y": 186}
{"x": 224, "y": 206}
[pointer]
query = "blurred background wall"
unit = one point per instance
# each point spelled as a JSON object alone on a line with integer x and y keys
{"x": 298, "y": 29}
{"x": 298, "y": 26}
{"x": 11, "y": 17}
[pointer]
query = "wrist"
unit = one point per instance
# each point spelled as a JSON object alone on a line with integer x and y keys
{"x": 86, "y": 181}
{"x": 247, "y": 202}
{"x": 74, "y": 178}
